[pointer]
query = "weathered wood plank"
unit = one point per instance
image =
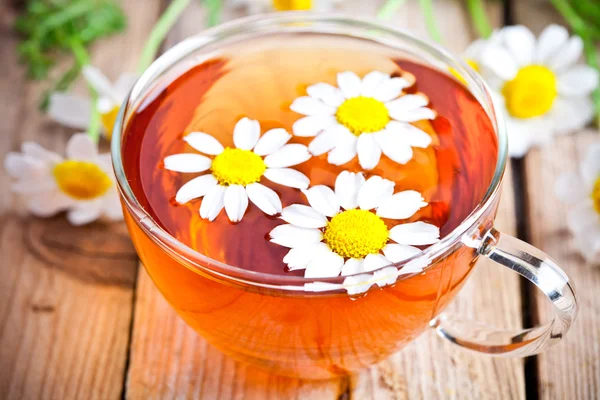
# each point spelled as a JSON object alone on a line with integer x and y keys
{"x": 169, "y": 360}
{"x": 65, "y": 293}
{"x": 571, "y": 369}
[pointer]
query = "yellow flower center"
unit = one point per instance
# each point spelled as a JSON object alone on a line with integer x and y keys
{"x": 596, "y": 195}
{"x": 81, "y": 180}
{"x": 531, "y": 93}
{"x": 108, "y": 120}
{"x": 356, "y": 233}
{"x": 238, "y": 167}
{"x": 288, "y": 5}
{"x": 363, "y": 115}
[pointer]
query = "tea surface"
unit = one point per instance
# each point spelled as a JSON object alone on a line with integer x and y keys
{"x": 261, "y": 82}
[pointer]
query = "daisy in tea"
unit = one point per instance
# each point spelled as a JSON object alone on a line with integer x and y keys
{"x": 235, "y": 173}
{"x": 537, "y": 83}
{"x": 581, "y": 191}
{"x": 83, "y": 184}
{"x": 74, "y": 111}
{"x": 363, "y": 117}
{"x": 338, "y": 232}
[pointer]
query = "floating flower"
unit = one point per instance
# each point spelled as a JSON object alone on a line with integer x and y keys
{"x": 259, "y": 6}
{"x": 582, "y": 192}
{"x": 339, "y": 234}
{"x": 235, "y": 173}
{"x": 83, "y": 184}
{"x": 74, "y": 111}
{"x": 537, "y": 83}
{"x": 364, "y": 117}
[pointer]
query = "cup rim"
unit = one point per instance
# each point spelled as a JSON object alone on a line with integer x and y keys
{"x": 194, "y": 259}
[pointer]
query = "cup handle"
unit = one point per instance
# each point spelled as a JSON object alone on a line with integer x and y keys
{"x": 535, "y": 266}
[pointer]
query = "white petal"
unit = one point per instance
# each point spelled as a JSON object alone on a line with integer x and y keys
{"x": 407, "y": 103}
{"x": 401, "y": 205}
{"x": 371, "y": 81}
{"x": 287, "y": 177}
{"x": 414, "y": 136}
{"x": 310, "y": 126}
{"x": 569, "y": 188}
{"x": 349, "y": 83}
{"x": 81, "y": 147}
{"x": 385, "y": 276}
{"x": 347, "y": 186}
{"x": 583, "y": 217}
{"x": 111, "y": 206}
{"x": 85, "y": 213}
{"x": 523, "y": 134}
{"x": 300, "y": 257}
{"x": 204, "y": 143}
{"x": 236, "y": 202}
{"x": 375, "y": 261}
{"x": 368, "y": 151}
{"x": 307, "y": 105}
{"x": 374, "y": 192}
{"x": 343, "y": 153}
{"x": 357, "y": 284}
{"x": 327, "y": 93}
{"x": 187, "y": 162}
{"x": 394, "y": 146}
{"x": 288, "y": 155}
{"x": 413, "y": 115}
{"x": 567, "y": 55}
{"x": 415, "y": 233}
{"x": 34, "y": 150}
{"x": 195, "y": 188}
{"x": 391, "y": 89}
{"x": 399, "y": 252}
{"x": 500, "y": 61}
{"x": 246, "y": 133}
{"x": 213, "y": 203}
{"x": 38, "y": 185}
{"x": 22, "y": 166}
{"x": 48, "y": 204}
{"x": 303, "y": 216}
{"x": 588, "y": 244}
{"x": 97, "y": 80}
{"x": 264, "y": 198}
{"x": 571, "y": 113}
{"x": 473, "y": 51}
{"x": 124, "y": 83}
{"x": 590, "y": 165}
{"x": 70, "y": 110}
{"x": 327, "y": 265}
{"x": 580, "y": 80}
{"x": 327, "y": 140}
{"x": 293, "y": 236}
{"x": 272, "y": 141}
{"x": 552, "y": 38}
{"x": 323, "y": 200}
{"x": 322, "y": 286}
{"x": 353, "y": 266}
{"x": 520, "y": 42}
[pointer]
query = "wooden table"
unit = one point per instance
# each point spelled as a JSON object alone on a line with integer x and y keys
{"x": 79, "y": 319}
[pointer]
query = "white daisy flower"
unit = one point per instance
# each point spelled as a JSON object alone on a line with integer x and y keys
{"x": 537, "y": 83}
{"x": 339, "y": 234}
{"x": 74, "y": 111}
{"x": 364, "y": 117}
{"x": 83, "y": 184}
{"x": 261, "y": 6}
{"x": 235, "y": 173}
{"x": 581, "y": 190}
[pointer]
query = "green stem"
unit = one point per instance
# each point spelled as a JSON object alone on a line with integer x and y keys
{"x": 160, "y": 30}
{"x": 427, "y": 8}
{"x": 389, "y": 8}
{"x": 67, "y": 14}
{"x": 591, "y": 56}
{"x": 82, "y": 58}
{"x": 578, "y": 24}
{"x": 588, "y": 9}
{"x": 479, "y": 18}
{"x": 214, "y": 11}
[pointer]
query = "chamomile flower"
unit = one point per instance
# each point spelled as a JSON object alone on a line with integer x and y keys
{"x": 339, "y": 234}
{"x": 537, "y": 83}
{"x": 363, "y": 117}
{"x": 74, "y": 111}
{"x": 258, "y": 6}
{"x": 83, "y": 184}
{"x": 581, "y": 190}
{"x": 235, "y": 173}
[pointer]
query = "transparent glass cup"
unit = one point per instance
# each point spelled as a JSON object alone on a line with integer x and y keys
{"x": 283, "y": 323}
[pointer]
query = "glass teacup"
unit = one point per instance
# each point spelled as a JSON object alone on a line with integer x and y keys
{"x": 282, "y": 323}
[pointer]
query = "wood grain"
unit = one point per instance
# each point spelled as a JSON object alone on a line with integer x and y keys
{"x": 65, "y": 293}
{"x": 571, "y": 369}
{"x": 168, "y": 360}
